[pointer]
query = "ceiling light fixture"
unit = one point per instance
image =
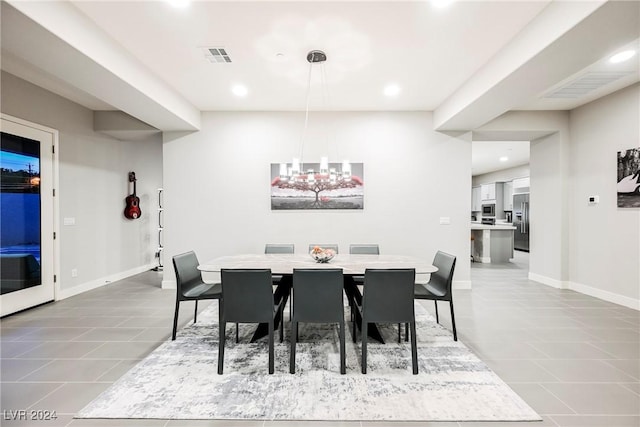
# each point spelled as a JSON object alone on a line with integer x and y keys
{"x": 315, "y": 177}
{"x": 239, "y": 90}
{"x": 504, "y": 158}
{"x": 179, "y": 4}
{"x": 441, "y": 3}
{"x": 622, "y": 56}
{"x": 392, "y": 90}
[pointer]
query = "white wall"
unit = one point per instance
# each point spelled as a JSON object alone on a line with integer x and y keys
{"x": 549, "y": 208}
{"x": 501, "y": 175}
{"x": 217, "y": 185}
{"x": 103, "y": 245}
{"x": 590, "y": 249}
{"x": 605, "y": 240}
{"x": 549, "y": 170}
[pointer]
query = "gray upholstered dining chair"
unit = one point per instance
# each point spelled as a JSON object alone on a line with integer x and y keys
{"x": 247, "y": 297}
{"x": 439, "y": 286}
{"x": 190, "y": 286}
{"x": 279, "y": 248}
{"x": 278, "y": 279}
{"x": 317, "y": 298}
{"x": 365, "y": 249}
{"x": 333, "y": 246}
{"x": 351, "y": 281}
{"x": 388, "y": 298}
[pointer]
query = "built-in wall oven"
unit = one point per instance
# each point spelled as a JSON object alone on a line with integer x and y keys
{"x": 489, "y": 209}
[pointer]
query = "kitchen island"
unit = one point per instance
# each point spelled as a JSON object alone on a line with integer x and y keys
{"x": 492, "y": 243}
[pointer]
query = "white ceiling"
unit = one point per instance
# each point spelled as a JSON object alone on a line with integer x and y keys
{"x": 428, "y": 52}
{"x": 485, "y": 155}
{"x": 468, "y": 63}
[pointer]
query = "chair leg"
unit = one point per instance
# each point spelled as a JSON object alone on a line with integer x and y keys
{"x": 406, "y": 332}
{"x": 237, "y": 333}
{"x": 399, "y": 333}
{"x": 292, "y": 353}
{"x": 453, "y": 322}
{"x": 364, "y": 345}
{"x": 195, "y": 313}
{"x": 414, "y": 348}
{"x": 175, "y": 320}
{"x": 281, "y": 324}
{"x": 354, "y": 328}
{"x": 343, "y": 353}
{"x": 221, "y": 347}
{"x": 271, "y": 363}
{"x": 435, "y": 302}
{"x": 290, "y": 305}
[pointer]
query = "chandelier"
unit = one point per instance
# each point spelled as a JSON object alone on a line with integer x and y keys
{"x": 315, "y": 177}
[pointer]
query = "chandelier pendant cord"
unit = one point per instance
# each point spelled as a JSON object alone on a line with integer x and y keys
{"x": 326, "y": 100}
{"x": 306, "y": 120}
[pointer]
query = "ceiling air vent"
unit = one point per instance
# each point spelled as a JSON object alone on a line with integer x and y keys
{"x": 586, "y": 84}
{"x": 217, "y": 54}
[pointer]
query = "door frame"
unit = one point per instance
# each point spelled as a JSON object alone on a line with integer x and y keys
{"x": 55, "y": 261}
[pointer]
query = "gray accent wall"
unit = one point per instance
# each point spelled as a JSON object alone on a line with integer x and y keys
{"x": 102, "y": 245}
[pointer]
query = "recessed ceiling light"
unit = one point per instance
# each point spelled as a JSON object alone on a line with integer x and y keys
{"x": 504, "y": 158}
{"x": 179, "y": 4}
{"x": 239, "y": 90}
{"x": 622, "y": 56}
{"x": 441, "y": 3}
{"x": 392, "y": 90}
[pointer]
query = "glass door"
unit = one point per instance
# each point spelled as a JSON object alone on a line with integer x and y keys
{"x": 26, "y": 221}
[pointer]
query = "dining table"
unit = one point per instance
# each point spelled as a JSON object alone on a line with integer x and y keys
{"x": 351, "y": 265}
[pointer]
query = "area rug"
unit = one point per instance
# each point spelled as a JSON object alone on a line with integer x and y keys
{"x": 179, "y": 379}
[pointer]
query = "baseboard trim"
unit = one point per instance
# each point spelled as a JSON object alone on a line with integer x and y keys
{"x": 554, "y": 283}
{"x": 605, "y": 295}
{"x": 462, "y": 284}
{"x": 94, "y": 284}
{"x": 587, "y": 290}
{"x": 169, "y": 284}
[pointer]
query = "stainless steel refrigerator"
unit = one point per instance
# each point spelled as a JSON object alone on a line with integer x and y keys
{"x": 521, "y": 222}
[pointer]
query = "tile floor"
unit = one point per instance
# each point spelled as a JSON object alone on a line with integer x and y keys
{"x": 573, "y": 358}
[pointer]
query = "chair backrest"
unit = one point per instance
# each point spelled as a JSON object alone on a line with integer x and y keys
{"x": 317, "y": 294}
{"x": 388, "y": 294}
{"x": 366, "y": 249}
{"x": 333, "y": 246}
{"x": 247, "y": 295}
{"x": 442, "y": 279}
{"x": 279, "y": 248}
{"x": 187, "y": 274}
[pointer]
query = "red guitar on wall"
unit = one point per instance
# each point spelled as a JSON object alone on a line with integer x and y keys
{"x": 132, "y": 210}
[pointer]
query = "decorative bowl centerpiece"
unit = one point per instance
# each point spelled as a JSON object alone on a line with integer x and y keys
{"x": 322, "y": 255}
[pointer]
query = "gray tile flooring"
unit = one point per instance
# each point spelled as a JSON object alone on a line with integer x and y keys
{"x": 573, "y": 358}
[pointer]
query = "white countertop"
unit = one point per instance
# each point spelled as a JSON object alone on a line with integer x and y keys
{"x": 477, "y": 226}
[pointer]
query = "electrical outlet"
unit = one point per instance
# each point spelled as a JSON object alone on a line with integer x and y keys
{"x": 74, "y": 272}
{"x": 445, "y": 220}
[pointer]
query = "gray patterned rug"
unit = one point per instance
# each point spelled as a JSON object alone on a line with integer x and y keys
{"x": 179, "y": 380}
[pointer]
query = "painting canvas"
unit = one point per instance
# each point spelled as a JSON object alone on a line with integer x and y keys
{"x": 629, "y": 178}
{"x": 317, "y": 186}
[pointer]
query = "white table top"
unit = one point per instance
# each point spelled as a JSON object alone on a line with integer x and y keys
{"x": 285, "y": 263}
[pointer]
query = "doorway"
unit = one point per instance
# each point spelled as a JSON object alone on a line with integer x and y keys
{"x": 500, "y": 179}
{"x": 27, "y": 249}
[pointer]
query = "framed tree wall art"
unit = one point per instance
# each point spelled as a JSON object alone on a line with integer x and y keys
{"x": 629, "y": 178}
{"x": 315, "y": 186}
